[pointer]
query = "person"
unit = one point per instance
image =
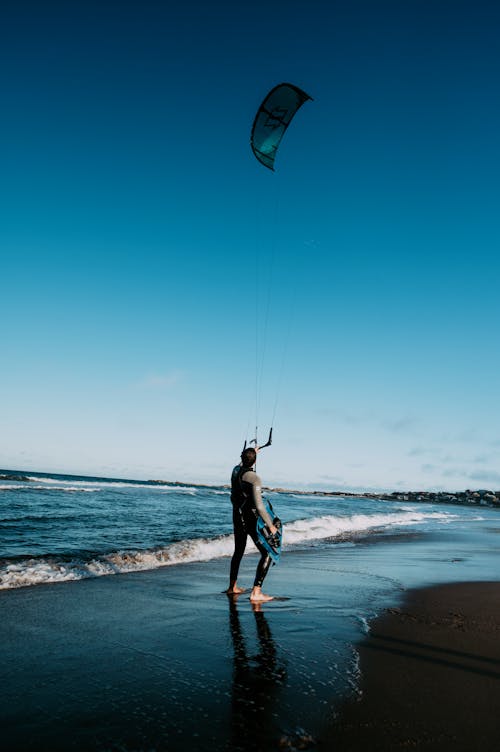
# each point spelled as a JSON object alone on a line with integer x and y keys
{"x": 246, "y": 497}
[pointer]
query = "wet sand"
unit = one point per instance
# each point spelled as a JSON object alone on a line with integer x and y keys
{"x": 163, "y": 660}
{"x": 431, "y": 675}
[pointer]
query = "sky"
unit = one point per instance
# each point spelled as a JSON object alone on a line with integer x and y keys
{"x": 162, "y": 292}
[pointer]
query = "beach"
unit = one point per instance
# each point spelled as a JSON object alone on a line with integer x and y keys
{"x": 164, "y": 660}
{"x": 430, "y": 674}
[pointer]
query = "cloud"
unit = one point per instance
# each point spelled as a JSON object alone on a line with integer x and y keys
{"x": 339, "y": 416}
{"x": 486, "y": 475}
{"x": 399, "y": 424}
{"x": 161, "y": 381}
{"x": 467, "y": 436}
{"x": 417, "y": 452}
{"x": 395, "y": 425}
{"x": 332, "y": 478}
{"x": 480, "y": 459}
{"x": 435, "y": 454}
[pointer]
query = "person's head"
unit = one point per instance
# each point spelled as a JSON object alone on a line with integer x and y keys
{"x": 248, "y": 457}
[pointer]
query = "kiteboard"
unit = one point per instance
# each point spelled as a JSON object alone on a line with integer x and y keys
{"x": 270, "y": 543}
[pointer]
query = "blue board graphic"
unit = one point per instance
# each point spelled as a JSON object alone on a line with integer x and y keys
{"x": 271, "y": 543}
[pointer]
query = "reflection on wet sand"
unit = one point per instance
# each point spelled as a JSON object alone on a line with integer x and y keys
{"x": 257, "y": 682}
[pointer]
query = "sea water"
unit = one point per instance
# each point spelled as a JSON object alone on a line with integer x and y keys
{"x": 56, "y": 528}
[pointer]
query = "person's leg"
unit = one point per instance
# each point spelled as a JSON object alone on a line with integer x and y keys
{"x": 240, "y": 542}
{"x": 262, "y": 567}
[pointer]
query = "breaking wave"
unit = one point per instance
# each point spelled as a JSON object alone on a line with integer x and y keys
{"x": 12, "y": 487}
{"x": 51, "y": 569}
{"x": 86, "y": 486}
{"x": 107, "y": 484}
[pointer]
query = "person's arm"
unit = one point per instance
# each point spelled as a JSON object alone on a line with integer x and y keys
{"x": 257, "y": 500}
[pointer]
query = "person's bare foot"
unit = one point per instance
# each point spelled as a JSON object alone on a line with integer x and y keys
{"x": 257, "y": 596}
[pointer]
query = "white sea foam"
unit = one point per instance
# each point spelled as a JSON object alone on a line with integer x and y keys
{"x": 31, "y": 487}
{"x": 330, "y": 526}
{"x": 178, "y": 489}
{"x": 316, "y": 497}
{"x": 365, "y": 624}
{"x": 58, "y": 483}
{"x": 53, "y": 569}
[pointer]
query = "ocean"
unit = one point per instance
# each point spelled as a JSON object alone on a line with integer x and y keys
{"x": 55, "y": 528}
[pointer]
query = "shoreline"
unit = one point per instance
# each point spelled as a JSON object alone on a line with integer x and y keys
{"x": 430, "y": 674}
{"x": 164, "y": 660}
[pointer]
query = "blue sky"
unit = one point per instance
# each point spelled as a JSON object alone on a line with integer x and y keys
{"x": 140, "y": 241}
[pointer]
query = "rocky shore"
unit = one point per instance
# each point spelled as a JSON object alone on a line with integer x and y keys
{"x": 483, "y": 497}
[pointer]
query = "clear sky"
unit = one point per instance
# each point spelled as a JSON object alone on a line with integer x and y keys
{"x": 141, "y": 241}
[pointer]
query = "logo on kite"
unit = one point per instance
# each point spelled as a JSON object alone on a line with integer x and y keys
{"x": 273, "y": 118}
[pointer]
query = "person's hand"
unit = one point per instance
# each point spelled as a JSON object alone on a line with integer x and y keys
{"x": 273, "y": 530}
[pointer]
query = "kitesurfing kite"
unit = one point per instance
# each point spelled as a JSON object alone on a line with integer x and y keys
{"x": 271, "y": 121}
{"x": 273, "y": 118}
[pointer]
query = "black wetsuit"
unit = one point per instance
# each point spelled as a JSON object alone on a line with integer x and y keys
{"x": 247, "y": 506}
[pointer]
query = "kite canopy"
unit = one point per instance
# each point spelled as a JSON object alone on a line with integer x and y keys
{"x": 272, "y": 120}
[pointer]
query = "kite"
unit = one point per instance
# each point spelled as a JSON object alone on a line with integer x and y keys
{"x": 273, "y": 118}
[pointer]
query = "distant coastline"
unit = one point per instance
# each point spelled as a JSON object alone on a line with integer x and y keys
{"x": 484, "y": 497}
{"x": 481, "y": 497}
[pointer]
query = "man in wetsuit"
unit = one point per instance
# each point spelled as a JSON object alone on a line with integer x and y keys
{"x": 246, "y": 497}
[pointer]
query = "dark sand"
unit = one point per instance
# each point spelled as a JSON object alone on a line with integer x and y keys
{"x": 431, "y": 675}
{"x": 164, "y": 661}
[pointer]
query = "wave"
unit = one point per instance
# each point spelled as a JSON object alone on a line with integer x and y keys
{"x": 60, "y": 482}
{"x": 316, "y": 496}
{"x": 329, "y": 526}
{"x": 47, "y": 484}
{"x": 52, "y": 569}
{"x": 104, "y": 484}
{"x": 48, "y": 488}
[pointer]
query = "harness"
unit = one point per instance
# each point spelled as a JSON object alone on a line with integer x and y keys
{"x": 239, "y": 496}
